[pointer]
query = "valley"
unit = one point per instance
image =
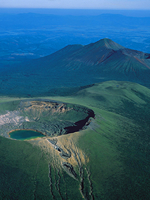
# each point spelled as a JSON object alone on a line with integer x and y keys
{"x": 26, "y": 36}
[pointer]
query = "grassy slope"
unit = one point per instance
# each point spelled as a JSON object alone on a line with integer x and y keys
{"x": 116, "y": 147}
{"x": 21, "y": 164}
{"x": 25, "y": 173}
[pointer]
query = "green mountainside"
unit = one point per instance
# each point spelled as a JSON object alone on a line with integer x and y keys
{"x": 75, "y": 66}
{"x": 107, "y": 160}
{"x": 92, "y": 108}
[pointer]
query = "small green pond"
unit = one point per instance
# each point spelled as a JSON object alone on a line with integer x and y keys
{"x": 25, "y": 134}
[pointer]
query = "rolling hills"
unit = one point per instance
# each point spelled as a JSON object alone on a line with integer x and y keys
{"x": 75, "y": 66}
{"x": 108, "y": 160}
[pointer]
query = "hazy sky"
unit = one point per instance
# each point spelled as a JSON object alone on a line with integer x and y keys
{"x": 98, "y": 4}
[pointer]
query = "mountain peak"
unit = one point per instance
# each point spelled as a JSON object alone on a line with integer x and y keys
{"x": 109, "y": 44}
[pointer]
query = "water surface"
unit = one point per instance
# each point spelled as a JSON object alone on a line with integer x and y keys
{"x": 25, "y": 134}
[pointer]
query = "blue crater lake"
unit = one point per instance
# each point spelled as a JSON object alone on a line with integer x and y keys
{"x": 25, "y": 134}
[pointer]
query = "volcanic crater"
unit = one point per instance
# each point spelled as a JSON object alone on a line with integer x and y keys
{"x": 50, "y": 118}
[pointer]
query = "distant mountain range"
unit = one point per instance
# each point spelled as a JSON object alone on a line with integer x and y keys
{"x": 35, "y": 20}
{"x": 75, "y": 66}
